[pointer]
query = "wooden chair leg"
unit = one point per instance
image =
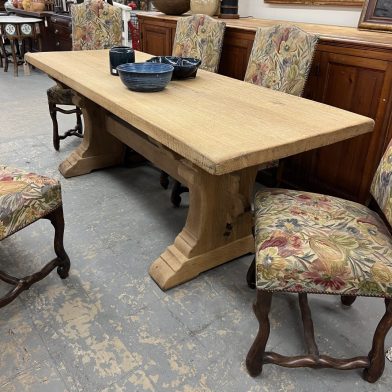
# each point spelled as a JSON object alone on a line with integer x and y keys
{"x": 175, "y": 197}
{"x": 53, "y": 116}
{"x": 164, "y": 180}
{"x": 251, "y": 275}
{"x": 79, "y": 122}
{"x": 261, "y": 308}
{"x": 348, "y": 300}
{"x": 377, "y": 353}
{"x": 61, "y": 262}
{"x": 57, "y": 220}
{"x": 14, "y": 58}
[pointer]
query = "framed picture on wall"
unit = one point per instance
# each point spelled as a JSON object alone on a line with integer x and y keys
{"x": 376, "y": 15}
{"x": 357, "y": 3}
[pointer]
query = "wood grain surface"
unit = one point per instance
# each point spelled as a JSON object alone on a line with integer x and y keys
{"x": 218, "y": 123}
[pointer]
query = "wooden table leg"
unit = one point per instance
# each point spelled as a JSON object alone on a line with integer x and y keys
{"x": 219, "y": 223}
{"x": 218, "y": 227}
{"x": 98, "y": 148}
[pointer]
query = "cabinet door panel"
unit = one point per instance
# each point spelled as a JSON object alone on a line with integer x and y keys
{"x": 355, "y": 86}
{"x": 235, "y": 54}
{"x": 156, "y": 40}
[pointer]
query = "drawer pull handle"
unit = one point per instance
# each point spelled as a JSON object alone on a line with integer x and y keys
{"x": 54, "y": 20}
{"x": 56, "y": 31}
{"x": 57, "y": 43}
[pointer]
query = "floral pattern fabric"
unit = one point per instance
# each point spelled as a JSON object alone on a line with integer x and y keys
{"x": 201, "y": 37}
{"x": 60, "y": 95}
{"x": 24, "y": 198}
{"x": 313, "y": 243}
{"x": 95, "y": 25}
{"x": 381, "y": 188}
{"x": 281, "y": 58}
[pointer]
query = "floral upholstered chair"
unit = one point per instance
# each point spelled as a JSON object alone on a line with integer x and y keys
{"x": 95, "y": 25}
{"x": 25, "y": 198}
{"x": 281, "y": 58}
{"x": 311, "y": 243}
{"x": 201, "y": 37}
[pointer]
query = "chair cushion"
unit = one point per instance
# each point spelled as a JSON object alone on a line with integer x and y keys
{"x": 60, "y": 96}
{"x": 24, "y": 198}
{"x": 313, "y": 243}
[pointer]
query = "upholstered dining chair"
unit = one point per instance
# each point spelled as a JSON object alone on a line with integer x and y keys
{"x": 25, "y": 198}
{"x": 312, "y": 243}
{"x": 201, "y": 37}
{"x": 280, "y": 59}
{"x": 95, "y": 25}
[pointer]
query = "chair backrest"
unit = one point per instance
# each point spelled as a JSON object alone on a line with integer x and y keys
{"x": 381, "y": 188}
{"x": 200, "y": 36}
{"x": 95, "y": 25}
{"x": 281, "y": 58}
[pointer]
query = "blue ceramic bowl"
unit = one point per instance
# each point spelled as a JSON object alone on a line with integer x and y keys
{"x": 184, "y": 67}
{"x": 146, "y": 77}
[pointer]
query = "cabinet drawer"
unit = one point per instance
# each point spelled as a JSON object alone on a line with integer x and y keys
{"x": 61, "y": 22}
{"x": 62, "y": 44}
{"x": 60, "y": 32}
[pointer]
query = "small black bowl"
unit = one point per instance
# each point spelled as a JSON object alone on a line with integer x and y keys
{"x": 146, "y": 77}
{"x": 184, "y": 67}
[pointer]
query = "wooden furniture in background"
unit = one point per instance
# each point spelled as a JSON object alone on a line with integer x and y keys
{"x": 18, "y": 30}
{"x": 352, "y": 70}
{"x": 215, "y": 161}
{"x": 56, "y": 30}
{"x": 59, "y": 32}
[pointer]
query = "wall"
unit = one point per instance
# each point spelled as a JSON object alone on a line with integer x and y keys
{"x": 341, "y": 16}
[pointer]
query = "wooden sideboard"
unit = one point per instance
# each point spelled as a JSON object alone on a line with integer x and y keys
{"x": 352, "y": 70}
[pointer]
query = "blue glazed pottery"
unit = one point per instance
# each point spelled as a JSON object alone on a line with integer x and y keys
{"x": 145, "y": 76}
{"x": 184, "y": 67}
{"x": 120, "y": 55}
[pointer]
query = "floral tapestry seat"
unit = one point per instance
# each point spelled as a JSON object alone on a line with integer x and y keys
{"x": 311, "y": 243}
{"x": 306, "y": 242}
{"x": 95, "y": 25}
{"x": 25, "y": 198}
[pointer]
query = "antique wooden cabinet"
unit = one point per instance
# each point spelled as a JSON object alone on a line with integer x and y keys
{"x": 59, "y": 32}
{"x": 352, "y": 70}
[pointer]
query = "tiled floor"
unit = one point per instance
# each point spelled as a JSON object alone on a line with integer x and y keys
{"x": 109, "y": 327}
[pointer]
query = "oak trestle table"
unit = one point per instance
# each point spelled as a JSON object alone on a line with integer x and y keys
{"x": 211, "y": 133}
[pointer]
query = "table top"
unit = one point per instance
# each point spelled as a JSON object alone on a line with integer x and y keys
{"x": 18, "y": 19}
{"x": 220, "y": 124}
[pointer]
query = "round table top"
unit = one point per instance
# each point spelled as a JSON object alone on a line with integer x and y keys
{"x": 18, "y": 19}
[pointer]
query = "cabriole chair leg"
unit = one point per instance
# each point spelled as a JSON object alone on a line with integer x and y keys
{"x": 377, "y": 353}
{"x": 53, "y": 116}
{"x": 57, "y": 219}
{"x": 261, "y": 308}
{"x": 251, "y": 275}
{"x": 347, "y": 300}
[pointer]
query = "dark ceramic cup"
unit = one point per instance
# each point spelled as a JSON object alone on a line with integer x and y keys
{"x": 120, "y": 55}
